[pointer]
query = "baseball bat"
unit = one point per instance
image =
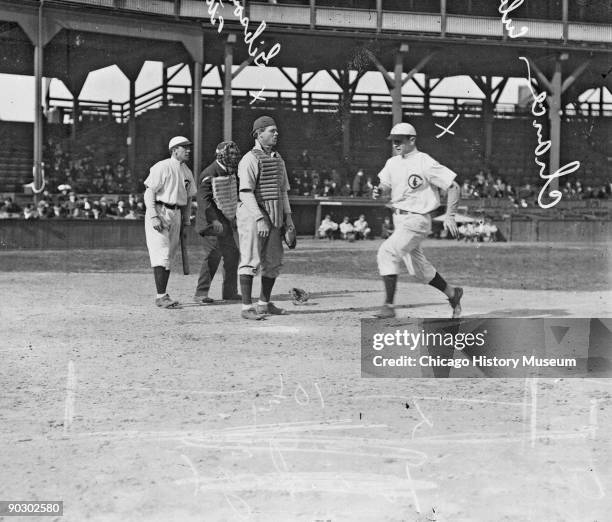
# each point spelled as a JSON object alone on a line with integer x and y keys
{"x": 184, "y": 255}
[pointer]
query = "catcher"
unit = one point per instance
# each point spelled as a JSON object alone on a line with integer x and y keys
{"x": 264, "y": 211}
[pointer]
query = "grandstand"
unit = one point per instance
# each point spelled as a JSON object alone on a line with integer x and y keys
{"x": 420, "y": 41}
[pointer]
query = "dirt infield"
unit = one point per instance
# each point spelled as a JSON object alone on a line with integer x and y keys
{"x": 130, "y": 413}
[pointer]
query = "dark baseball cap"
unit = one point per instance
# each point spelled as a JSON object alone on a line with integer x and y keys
{"x": 262, "y": 122}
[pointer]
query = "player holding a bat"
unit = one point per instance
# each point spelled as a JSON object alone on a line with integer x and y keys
{"x": 170, "y": 187}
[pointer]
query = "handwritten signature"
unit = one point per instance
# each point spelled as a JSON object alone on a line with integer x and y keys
{"x": 249, "y": 37}
{"x": 508, "y": 21}
{"x": 538, "y": 109}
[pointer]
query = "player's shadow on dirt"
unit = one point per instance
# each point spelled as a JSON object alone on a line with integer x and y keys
{"x": 523, "y": 312}
{"x": 298, "y": 310}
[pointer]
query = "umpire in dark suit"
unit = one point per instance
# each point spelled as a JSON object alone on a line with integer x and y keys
{"x": 216, "y": 222}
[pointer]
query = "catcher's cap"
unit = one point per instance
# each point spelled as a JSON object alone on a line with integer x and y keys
{"x": 400, "y": 130}
{"x": 262, "y": 122}
{"x": 178, "y": 141}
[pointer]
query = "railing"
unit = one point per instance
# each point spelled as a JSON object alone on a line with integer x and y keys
{"x": 440, "y": 21}
{"x": 308, "y": 102}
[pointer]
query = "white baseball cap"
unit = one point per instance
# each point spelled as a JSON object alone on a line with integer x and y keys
{"x": 178, "y": 140}
{"x": 402, "y": 129}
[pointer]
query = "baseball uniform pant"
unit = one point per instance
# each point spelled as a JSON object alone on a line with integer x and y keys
{"x": 163, "y": 245}
{"x": 215, "y": 248}
{"x": 405, "y": 245}
{"x": 257, "y": 253}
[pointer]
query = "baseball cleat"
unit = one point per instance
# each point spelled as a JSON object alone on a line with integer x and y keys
{"x": 252, "y": 315}
{"x": 166, "y": 302}
{"x": 202, "y": 299}
{"x": 455, "y": 302}
{"x": 386, "y": 312}
{"x": 270, "y": 309}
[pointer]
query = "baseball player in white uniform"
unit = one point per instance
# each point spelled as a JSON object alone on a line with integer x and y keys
{"x": 414, "y": 181}
{"x": 170, "y": 187}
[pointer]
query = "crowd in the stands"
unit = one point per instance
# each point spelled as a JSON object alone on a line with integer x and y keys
{"x": 84, "y": 174}
{"x": 89, "y": 191}
{"x": 68, "y": 205}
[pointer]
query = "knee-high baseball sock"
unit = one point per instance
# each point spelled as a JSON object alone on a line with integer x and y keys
{"x": 246, "y": 287}
{"x": 161, "y": 279}
{"x": 390, "y": 286}
{"x": 439, "y": 283}
{"x": 267, "y": 283}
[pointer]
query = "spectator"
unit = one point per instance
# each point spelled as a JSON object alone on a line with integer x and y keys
{"x": 588, "y": 193}
{"x": 131, "y": 214}
{"x": 328, "y": 228}
{"x": 64, "y": 190}
{"x": 304, "y": 160}
{"x": 499, "y": 188}
{"x": 315, "y": 189}
{"x": 489, "y": 231}
{"x": 466, "y": 190}
{"x": 131, "y": 203}
{"x": 328, "y": 189}
{"x": 387, "y": 228}
{"x": 347, "y": 230}
{"x": 30, "y": 212}
{"x": 305, "y": 188}
{"x": 368, "y": 188}
{"x": 58, "y": 211}
{"x": 44, "y": 211}
{"x": 526, "y": 192}
{"x": 336, "y": 177}
{"x": 140, "y": 209}
{"x": 359, "y": 183}
{"x": 345, "y": 191}
{"x": 361, "y": 228}
{"x": 72, "y": 203}
{"x": 10, "y": 207}
{"x": 603, "y": 192}
{"x": 122, "y": 210}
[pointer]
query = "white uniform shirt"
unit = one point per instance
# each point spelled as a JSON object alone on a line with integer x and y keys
{"x": 345, "y": 228}
{"x": 172, "y": 182}
{"x": 360, "y": 225}
{"x": 414, "y": 179}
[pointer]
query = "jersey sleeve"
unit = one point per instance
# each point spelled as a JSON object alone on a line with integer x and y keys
{"x": 156, "y": 178}
{"x": 247, "y": 172}
{"x": 438, "y": 175}
{"x": 385, "y": 175}
{"x": 192, "y": 189}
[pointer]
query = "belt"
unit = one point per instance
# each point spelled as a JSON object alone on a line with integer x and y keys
{"x": 401, "y": 211}
{"x": 167, "y": 205}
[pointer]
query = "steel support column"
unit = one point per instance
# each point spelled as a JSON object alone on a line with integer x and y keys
{"x": 227, "y": 87}
{"x": 37, "y": 170}
{"x": 197, "y": 118}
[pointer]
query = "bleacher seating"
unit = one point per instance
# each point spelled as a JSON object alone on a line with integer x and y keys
{"x": 16, "y": 152}
{"x": 514, "y": 142}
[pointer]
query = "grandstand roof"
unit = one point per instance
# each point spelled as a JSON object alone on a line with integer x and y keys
{"x": 71, "y": 54}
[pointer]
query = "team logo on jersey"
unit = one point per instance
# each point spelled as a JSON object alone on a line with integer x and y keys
{"x": 415, "y": 181}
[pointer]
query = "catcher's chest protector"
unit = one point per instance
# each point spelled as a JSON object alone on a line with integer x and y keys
{"x": 225, "y": 195}
{"x": 268, "y": 191}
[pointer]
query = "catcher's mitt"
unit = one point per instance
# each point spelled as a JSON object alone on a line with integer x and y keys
{"x": 289, "y": 236}
{"x": 299, "y": 296}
